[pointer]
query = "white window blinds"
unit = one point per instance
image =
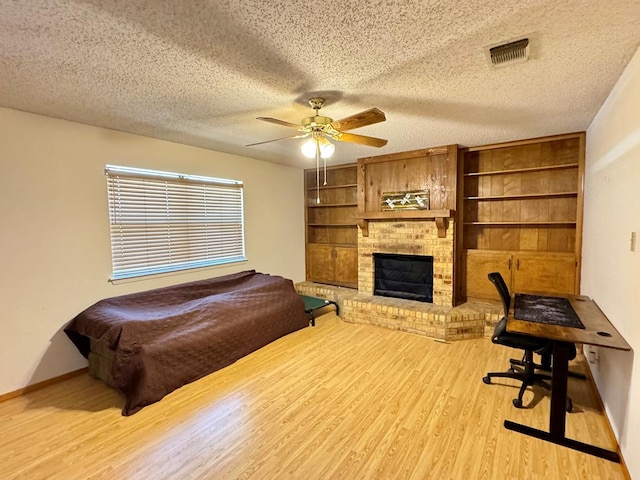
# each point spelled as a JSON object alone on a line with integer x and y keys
{"x": 164, "y": 222}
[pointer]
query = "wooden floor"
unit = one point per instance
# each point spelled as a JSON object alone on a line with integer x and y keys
{"x": 338, "y": 401}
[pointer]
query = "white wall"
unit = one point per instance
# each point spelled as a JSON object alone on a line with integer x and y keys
{"x": 54, "y": 230}
{"x": 611, "y": 272}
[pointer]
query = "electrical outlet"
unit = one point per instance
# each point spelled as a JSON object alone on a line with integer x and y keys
{"x": 633, "y": 241}
{"x": 593, "y": 356}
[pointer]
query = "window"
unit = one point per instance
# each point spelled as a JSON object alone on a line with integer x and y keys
{"x": 164, "y": 222}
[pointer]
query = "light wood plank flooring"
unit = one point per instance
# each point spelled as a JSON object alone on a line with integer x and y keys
{"x": 338, "y": 401}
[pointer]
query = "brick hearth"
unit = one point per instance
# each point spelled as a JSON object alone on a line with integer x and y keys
{"x": 469, "y": 320}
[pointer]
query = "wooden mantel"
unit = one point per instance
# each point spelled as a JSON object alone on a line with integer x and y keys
{"x": 441, "y": 218}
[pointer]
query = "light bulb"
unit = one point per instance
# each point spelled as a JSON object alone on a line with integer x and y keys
{"x": 309, "y": 148}
{"x": 326, "y": 148}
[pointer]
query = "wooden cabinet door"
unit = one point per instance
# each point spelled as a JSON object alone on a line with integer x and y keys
{"x": 346, "y": 265}
{"x": 320, "y": 263}
{"x": 477, "y": 265}
{"x": 544, "y": 273}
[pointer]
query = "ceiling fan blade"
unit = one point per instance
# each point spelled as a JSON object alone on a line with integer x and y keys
{"x": 279, "y": 122}
{"x": 368, "y": 117}
{"x": 361, "y": 139}
{"x": 277, "y": 140}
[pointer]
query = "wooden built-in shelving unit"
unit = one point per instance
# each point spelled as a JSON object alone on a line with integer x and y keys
{"x": 331, "y": 227}
{"x": 521, "y": 213}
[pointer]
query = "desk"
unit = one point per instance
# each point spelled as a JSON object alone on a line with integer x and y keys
{"x": 598, "y": 331}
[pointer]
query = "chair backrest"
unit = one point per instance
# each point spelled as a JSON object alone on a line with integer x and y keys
{"x": 503, "y": 290}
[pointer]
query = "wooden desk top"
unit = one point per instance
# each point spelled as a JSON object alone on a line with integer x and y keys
{"x": 598, "y": 330}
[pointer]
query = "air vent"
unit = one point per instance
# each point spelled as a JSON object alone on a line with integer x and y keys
{"x": 516, "y": 51}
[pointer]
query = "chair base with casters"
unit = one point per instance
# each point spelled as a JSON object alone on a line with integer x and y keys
{"x": 526, "y": 374}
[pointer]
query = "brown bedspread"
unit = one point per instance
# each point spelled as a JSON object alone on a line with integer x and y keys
{"x": 165, "y": 338}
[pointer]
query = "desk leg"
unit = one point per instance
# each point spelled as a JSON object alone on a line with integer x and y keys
{"x": 558, "y": 415}
{"x": 564, "y": 441}
{"x": 559, "y": 379}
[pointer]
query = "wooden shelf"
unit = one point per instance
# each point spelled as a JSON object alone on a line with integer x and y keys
{"x": 524, "y": 196}
{"x": 328, "y": 187}
{"x": 332, "y": 225}
{"x": 440, "y": 216}
{"x": 403, "y": 214}
{"x": 342, "y": 245}
{"x": 523, "y": 170}
{"x": 501, "y": 224}
{"x": 320, "y": 205}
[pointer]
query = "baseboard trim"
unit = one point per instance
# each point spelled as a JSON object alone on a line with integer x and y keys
{"x": 43, "y": 384}
{"x": 611, "y": 433}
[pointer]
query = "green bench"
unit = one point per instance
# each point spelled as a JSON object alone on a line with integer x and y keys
{"x": 313, "y": 306}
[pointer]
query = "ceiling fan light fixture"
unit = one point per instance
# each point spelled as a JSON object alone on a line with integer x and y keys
{"x": 318, "y": 127}
{"x": 321, "y": 127}
{"x": 309, "y": 147}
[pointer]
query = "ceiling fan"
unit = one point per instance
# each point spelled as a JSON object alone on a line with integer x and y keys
{"x": 320, "y": 128}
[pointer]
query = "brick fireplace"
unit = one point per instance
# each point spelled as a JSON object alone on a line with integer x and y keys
{"x": 408, "y": 237}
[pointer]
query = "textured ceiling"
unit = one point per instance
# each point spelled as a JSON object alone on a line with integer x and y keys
{"x": 200, "y": 72}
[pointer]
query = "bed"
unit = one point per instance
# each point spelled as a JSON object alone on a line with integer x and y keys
{"x": 148, "y": 344}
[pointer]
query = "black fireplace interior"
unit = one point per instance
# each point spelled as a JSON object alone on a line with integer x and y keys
{"x": 404, "y": 276}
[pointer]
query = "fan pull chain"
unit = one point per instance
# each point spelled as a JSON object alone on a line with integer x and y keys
{"x": 318, "y": 172}
{"x": 325, "y": 170}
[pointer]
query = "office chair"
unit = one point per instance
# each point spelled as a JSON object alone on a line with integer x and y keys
{"x": 523, "y": 370}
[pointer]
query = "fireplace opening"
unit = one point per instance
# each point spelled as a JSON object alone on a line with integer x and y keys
{"x": 403, "y": 276}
